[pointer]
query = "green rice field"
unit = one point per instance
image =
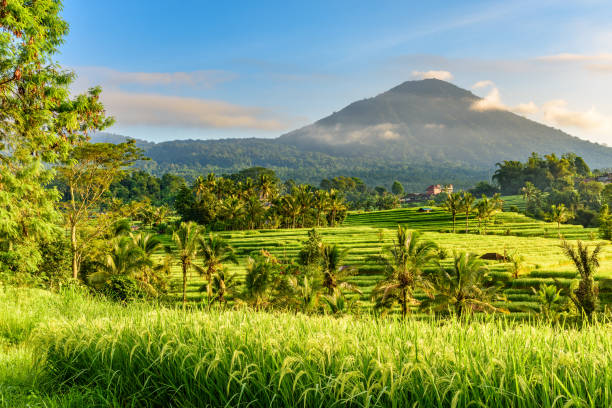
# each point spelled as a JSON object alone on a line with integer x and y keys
{"x": 366, "y": 233}
{"x": 73, "y": 350}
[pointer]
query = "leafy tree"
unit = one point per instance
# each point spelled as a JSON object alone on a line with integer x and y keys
{"x": 186, "y": 239}
{"x": 88, "y": 175}
{"x": 487, "y": 208}
{"x": 397, "y": 188}
{"x": 517, "y": 264}
{"x": 605, "y": 222}
{"x": 464, "y": 287}
{"x": 404, "y": 264}
{"x": 38, "y": 124}
{"x": 259, "y": 275}
{"x": 585, "y": 296}
{"x": 453, "y": 205}
{"x": 215, "y": 251}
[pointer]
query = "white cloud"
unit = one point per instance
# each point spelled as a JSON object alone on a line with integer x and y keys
{"x": 441, "y": 75}
{"x": 569, "y": 57}
{"x": 434, "y": 126}
{"x": 483, "y": 84}
{"x": 492, "y": 101}
{"x": 557, "y": 113}
{"x": 163, "y": 110}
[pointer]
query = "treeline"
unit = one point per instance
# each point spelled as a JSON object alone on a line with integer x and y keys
{"x": 561, "y": 189}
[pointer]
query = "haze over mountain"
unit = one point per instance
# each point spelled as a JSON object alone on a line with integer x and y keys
{"x": 419, "y": 132}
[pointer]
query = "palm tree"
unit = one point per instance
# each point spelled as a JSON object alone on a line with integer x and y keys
{"x": 404, "y": 264}
{"x": 291, "y": 207}
{"x": 149, "y": 245}
{"x": 463, "y": 287}
{"x": 215, "y": 251}
{"x": 336, "y": 205}
{"x": 253, "y": 211}
{"x": 529, "y": 192}
{"x": 186, "y": 239}
{"x": 453, "y": 206}
{"x": 321, "y": 203}
{"x": 549, "y": 298}
{"x": 258, "y": 278}
{"x": 467, "y": 201}
{"x": 199, "y": 187}
{"x": 223, "y": 283}
{"x": 486, "y": 208}
{"x": 265, "y": 185}
{"x": 161, "y": 214}
{"x": 517, "y": 264}
{"x": 334, "y": 272}
{"x": 558, "y": 214}
{"x": 232, "y": 210}
{"x": 585, "y": 295}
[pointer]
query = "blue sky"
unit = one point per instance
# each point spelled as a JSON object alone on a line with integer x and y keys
{"x": 203, "y": 69}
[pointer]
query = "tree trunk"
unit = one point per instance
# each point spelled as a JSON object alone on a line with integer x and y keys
{"x": 184, "y": 285}
{"x": 454, "y": 221}
{"x": 467, "y": 222}
{"x": 404, "y": 305}
{"x": 73, "y": 246}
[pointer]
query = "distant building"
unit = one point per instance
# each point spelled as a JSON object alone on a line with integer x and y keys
{"x": 436, "y": 189}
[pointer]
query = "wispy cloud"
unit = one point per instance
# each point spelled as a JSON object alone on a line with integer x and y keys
{"x": 114, "y": 78}
{"x": 556, "y": 112}
{"x": 492, "y": 101}
{"x": 163, "y": 110}
{"x": 570, "y": 57}
{"x": 434, "y": 74}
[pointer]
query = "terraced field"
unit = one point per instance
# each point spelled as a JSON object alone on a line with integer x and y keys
{"x": 366, "y": 234}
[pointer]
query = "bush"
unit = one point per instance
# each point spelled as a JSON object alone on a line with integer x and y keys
{"x": 513, "y": 208}
{"x": 122, "y": 289}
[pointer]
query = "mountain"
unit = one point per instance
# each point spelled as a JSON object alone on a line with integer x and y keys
{"x": 434, "y": 121}
{"x": 420, "y": 132}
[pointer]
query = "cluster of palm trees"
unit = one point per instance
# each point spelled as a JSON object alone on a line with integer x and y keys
{"x": 465, "y": 203}
{"x": 225, "y": 204}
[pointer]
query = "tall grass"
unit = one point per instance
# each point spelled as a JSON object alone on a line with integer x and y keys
{"x": 90, "y": 352}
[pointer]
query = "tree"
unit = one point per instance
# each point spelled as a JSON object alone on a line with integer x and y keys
{"x": 38, "y": 124}
{"x": 88, "y": 174}
{"x": 585, "y": 295}
{"x": 223, "y": 283}
{"x": 336, "y": 205}
{"x": 463, "y": 287}
{"x": 334, "y": 272}
{"x": 453, "y": 206}
{"x": 186, "y": 239}
{"x": 404, "y": 264}
{"x": 487, "y": 208}
{"x": 321, "y": 203}
{"x": 397, "y": 188}
{"x": 467, "y": 201}
{"x": 259, "y": 274}
{"x": 605, "y": 222}
{"x": 215, "y": 251}
{"x": 550, "y": 299}
{"x": 517, "y": 264}
{"x": 558, "y": 214}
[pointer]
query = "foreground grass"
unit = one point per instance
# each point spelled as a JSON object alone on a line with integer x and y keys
{"x": 72, "y": 350}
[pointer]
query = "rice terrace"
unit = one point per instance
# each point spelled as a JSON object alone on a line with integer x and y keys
{"x": 444, "y": 243}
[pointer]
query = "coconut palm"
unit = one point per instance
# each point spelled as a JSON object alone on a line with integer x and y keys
{"x": 464, "y": 287}
{"x": 585, "y": 294}
{"x": 265, "y": 185}
{"x": 453, "y": 206}
{"x": 223, "y": 283}
{"x": 186, "y": 239}
{"x": 530, "y": 193}
{"x": 321, "y": 203}
{"x": 404, "y": 264}
{"x": 290, "y": 206}
{"x": 161, "y": 214}
{"x": 335, "y": 205}
{"x": 558, "y": 214}
{"x": 215, "y": 252}
{"x": 487, "y": 208}
{"x": 253, "y": 211}
{"x": 467, "y": 202}
{"x": 334, "y": 272}
{"x": 259, "y": 274}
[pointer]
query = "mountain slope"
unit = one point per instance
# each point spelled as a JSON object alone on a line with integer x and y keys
{"x": 420, "y": 132}
{"x": 432, "y": 121}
